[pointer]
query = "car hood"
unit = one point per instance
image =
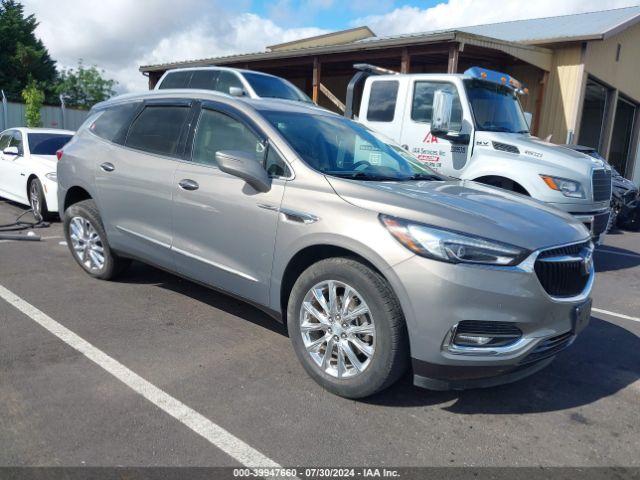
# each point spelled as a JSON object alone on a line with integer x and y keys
{"x": 467, "y": 207}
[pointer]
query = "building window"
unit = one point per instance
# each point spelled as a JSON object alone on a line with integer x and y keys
{"x": 620, "y": 148}
{"x": 382, "y": 101}
{"x": 594, "y": 112}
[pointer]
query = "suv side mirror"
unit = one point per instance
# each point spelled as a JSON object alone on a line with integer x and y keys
{"x": 442, "y": 107}
{"x": 236, "y": 92}
{"x": 11, "y": 151}
{"x": 244, "y": 165}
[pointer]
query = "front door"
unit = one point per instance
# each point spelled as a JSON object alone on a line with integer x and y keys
{"x": 435, "y": 152}
{"x": 135, "y": 183}
{"x": 224, "y": 230}
{"x": 13, "y": 182}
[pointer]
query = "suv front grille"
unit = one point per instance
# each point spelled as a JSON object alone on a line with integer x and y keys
{"x": 561, "y": 271}
{"x": 601, "y": 181}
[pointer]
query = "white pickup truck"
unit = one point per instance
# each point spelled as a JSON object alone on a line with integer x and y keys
{"x": 472, "y": 126}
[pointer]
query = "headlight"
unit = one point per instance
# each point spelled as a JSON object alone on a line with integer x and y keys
{"x": 53, "y": 176}
{"x": 569, "y": 188}
{"x": 449, "y": 246}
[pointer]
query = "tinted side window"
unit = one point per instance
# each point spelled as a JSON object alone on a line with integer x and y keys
{"x": 217, "y": 131}
{"x": 176, "y": 80}
{"x": 226, "y": 80}
{"x": 275, "y": 165}
{"x": 382, "y": 101}
{"x": 4, "y": 141}
{"x": 112, "y": 121}
{"x": 16, "y": 141}
{"x": 205, "y": 79}
{"x": 157, "y": 129}
{"x": 422, "y": 105}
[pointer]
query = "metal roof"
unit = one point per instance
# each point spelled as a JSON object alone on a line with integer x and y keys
{"x": 511, "y": 37}
{"x": 576, "y": 27}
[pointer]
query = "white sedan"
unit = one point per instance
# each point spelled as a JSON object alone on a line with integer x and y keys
{"x": 28, "y": 167}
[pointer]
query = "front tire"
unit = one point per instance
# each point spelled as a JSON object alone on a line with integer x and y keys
{"x": 37, "y": 200}
{"x": 347, "y": 328}
{"x": 87, "y": 241}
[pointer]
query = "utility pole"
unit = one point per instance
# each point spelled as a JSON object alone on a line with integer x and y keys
{"x": 5, "y": 109}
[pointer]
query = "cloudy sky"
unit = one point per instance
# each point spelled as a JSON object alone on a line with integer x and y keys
{"x": 121, "y": 35}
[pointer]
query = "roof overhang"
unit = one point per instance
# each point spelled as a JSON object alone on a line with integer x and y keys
{"x": 537, "y": 56}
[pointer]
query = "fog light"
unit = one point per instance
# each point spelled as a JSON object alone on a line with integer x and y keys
{"x": 471, "y": 340}
{"x": 474, "y": 333}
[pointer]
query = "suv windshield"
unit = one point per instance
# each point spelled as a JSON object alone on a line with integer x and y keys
{"x": 46, "y": 143}
{"x": 336, "y": 146}
{"x": 272, "y": 87}
{"x": 495, "y": 107}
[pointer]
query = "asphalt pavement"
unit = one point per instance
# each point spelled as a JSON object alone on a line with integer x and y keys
{"x": 174, "y": 374}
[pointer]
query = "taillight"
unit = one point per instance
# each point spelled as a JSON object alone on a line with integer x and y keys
{"x": 59, "y": 154}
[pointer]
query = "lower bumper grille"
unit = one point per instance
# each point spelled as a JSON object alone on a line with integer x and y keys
{"x": 550, "y": 347}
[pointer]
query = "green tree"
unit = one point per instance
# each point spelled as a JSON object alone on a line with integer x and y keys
{"x": 23, "y": 56}
{"x": 83, "y": 87}
{"x": 33, "y": 98}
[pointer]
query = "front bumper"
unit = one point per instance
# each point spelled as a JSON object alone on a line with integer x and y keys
{"x": 441, "y": 295}
{"x": 50, "y": 194}
{"x": 594, "y": 216}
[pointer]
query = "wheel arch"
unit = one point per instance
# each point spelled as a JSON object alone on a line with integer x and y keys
{"x": 497, "y": 180}
{"x": 74, "y": 195}
{"x": 306, "y": 257}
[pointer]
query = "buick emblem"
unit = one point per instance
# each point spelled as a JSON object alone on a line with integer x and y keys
{"x": 587, "y": 263}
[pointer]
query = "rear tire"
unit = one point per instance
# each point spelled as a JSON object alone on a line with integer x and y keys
{"x": 87, "y": 241}
{"x": 362, "y": 289}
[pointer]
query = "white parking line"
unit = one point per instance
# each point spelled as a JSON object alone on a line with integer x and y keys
{"x": 215, "y": 434}
{"x": 614, "y": 314}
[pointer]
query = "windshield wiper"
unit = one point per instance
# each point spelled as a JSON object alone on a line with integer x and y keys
{"x": 424, "y": 176}
{"x": 365, "y": 176}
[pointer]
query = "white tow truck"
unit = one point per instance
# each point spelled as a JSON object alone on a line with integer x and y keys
{"x": 472, "y": 126}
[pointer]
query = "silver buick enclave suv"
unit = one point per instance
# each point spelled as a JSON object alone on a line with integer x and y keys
{"x": 373, "y": 261}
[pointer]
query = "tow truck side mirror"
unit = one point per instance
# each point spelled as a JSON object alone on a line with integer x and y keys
{"x": 441, "y": 118}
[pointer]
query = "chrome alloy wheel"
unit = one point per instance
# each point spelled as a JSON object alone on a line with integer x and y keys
{"x": 86, "y": 243}
{"x": 337, "y": 329}
{"x": 34, "y": 199}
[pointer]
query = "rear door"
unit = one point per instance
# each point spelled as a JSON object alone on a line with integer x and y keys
{"x": 224, "y": 230}
{"x": 135, "y": 181}
{"x": 435, "y": 152}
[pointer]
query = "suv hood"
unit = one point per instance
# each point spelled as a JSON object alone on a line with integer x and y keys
{"x": 467, "y": 207}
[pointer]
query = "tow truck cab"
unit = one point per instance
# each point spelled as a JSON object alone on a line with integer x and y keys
{"x": 472, "y": 126}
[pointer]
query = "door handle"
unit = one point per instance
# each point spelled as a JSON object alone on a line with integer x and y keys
{"x": 107, "y": 167}
{"x": 188, "y": 184}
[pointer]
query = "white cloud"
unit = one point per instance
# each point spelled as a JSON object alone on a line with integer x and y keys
{"x": 458, "y": 13}
{"x": 121, "y": 35}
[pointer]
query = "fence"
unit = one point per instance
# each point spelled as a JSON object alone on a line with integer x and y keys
{"x": 12, "y": 114}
